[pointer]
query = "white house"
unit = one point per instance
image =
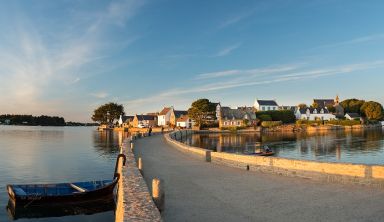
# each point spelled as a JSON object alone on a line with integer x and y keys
{"x": 265, "y": 105}
{"x": 314, "y": 114}
{"x": 185, "y": 122}
{"x": 352, "y": 116}
{"x": 164, "y": 116}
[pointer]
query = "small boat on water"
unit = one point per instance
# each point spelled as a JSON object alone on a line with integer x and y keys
{"x": 42, "y": 194}
{"x": 265, "y": 151}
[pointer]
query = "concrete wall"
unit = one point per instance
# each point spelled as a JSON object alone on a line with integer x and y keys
{"x": 134, "y": 202}
{"x": 372, "y": 175}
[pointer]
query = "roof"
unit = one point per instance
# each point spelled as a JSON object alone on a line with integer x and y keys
{"x": 146, "y": 117}
{"x": 267, "y": 102}
{"x": 179, "y": 113}
{"x": 165, "y": 111}
{"x": 129, "y": 118}
{"x": 183, "y": 118}
{"x": 237, "y": 114}
{"x": 324, "y": 102}
{"x": 311, "y": 110}
{"x": 353, "y": 115}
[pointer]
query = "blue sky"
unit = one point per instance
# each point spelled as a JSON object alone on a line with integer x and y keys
{"x": 68, "y": 57}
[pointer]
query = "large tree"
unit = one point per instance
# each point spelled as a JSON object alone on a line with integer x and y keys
{"x": 107, "y": 113}
{"x": 372, "y": 110}
{"x": 352, "y": 105}
{"x": 201, "y": 110}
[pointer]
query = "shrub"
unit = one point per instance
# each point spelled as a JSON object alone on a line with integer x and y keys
{"x": 309, "y": 122}
{"x": 344, "y": 122}
{"x": 270, "y": 124}
{"x": 265, "y": 117}
{"x": 285, "y": 116}
{"x": 232, "y": 128}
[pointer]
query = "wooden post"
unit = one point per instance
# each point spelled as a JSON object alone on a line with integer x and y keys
{"x": 140, "y": 165}
{"x": 208, "y": 156}
{"x": 132, "y": 146}
{"x": 158, "y": 193}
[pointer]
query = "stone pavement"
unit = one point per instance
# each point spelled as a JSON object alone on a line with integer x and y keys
{"x": 199, "y": 191}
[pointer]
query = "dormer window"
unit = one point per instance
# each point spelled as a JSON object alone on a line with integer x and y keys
{"x": 322, "y": 111}
{"x": 315, "y": 111}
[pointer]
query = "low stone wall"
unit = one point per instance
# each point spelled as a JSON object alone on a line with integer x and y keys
{"x": 134, "y": 202}
{"x": 372, "y": 175}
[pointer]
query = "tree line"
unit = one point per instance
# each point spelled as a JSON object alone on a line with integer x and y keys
{"x": 30, "y": 120}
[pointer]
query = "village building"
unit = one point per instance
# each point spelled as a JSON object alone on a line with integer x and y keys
{"x": 265, "y": 105}
{"x": 326, "y": 103}
{"x": 352, "y": 116}
{"x": 184, "y": 122}
{"x": 127, "y": 121}
{"x": 228, "y": 117}
{"x": 314, "y": 114}
{"x": 164, "y": 117}
{"x": 175, "y": 114}
{"x": 144, "y": 120}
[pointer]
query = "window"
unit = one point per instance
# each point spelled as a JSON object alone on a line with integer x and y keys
{"x": 274, "y": 108}
{"x": 263, "y": 108}
{"x": 269, "y": 108}
{"x": 238, "y": 123}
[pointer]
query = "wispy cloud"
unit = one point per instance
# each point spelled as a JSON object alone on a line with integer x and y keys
{"x": 100, "y": 95}
{"x": 358, "y": 40}
{"x": 227, "y": 50}
{"x": 34, "y": 66}
{"x": 235, "y": 19}
{"x": 251, "y": 77}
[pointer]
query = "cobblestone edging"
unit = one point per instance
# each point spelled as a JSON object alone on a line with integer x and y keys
{"x": 134, "y": 202}
{"x": 348, "y": 173}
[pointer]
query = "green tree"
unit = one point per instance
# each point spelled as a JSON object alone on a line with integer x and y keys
{"x": 315, "y": 105}
{"x": 352, "y": 105}
{"x": 201, "y": 110}
{"x": 331, "y": 108}
{"x": 108, "y": 112}
{"x": 372, "y": 110}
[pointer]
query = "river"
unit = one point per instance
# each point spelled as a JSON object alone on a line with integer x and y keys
{"x": 53, "y": 155}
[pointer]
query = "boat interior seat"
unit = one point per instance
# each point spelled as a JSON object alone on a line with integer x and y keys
{"x": 80, "y": 189}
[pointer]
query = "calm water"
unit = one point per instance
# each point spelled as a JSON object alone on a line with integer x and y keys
{"x": 363, "y": 146}
{"x": 56, "y": 154}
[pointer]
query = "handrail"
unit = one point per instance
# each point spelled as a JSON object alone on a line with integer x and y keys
{"x": 117, "y": 163}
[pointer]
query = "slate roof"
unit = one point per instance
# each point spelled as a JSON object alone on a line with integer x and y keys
{"x": 237, "y": 114}
{"x": 127, "y": 118}
{"x": 353, "y": 115}
{"x": 165, "y": 111}
{"x": 324, "y": 102}
{"x": 267, "y": 102}
{"x": 145, "y": 117}
{"x": 179, "y": 113}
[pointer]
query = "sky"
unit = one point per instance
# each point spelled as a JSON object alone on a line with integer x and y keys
{"x": 67, "y": 57}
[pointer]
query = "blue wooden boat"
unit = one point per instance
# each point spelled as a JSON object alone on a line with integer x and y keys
{"x": 59, "y": 193}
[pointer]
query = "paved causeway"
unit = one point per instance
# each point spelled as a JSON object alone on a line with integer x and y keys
{"x": 200, "y": 191}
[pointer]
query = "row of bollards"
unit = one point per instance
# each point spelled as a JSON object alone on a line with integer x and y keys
{"x": 158, "y": 194}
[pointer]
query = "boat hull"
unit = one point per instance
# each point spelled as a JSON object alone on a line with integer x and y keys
{"x": 64, "y": 194}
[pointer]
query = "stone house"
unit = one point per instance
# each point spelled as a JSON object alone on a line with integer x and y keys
{"x": 228, "y": 117}
{"x": 146, "y": 120}
{"x": 176, "y": 114}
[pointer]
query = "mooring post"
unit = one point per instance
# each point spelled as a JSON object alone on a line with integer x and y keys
{"x": 158, "y": 193}
{"x": 132, "y": 146}
{"x": 140, "y": 165}
{"x": 208, "y": 157}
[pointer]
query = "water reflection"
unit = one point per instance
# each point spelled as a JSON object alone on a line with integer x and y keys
{"x": 107, "y": 142}
{"x": 357, "y": 146}
{"x": 85, "y": 208}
